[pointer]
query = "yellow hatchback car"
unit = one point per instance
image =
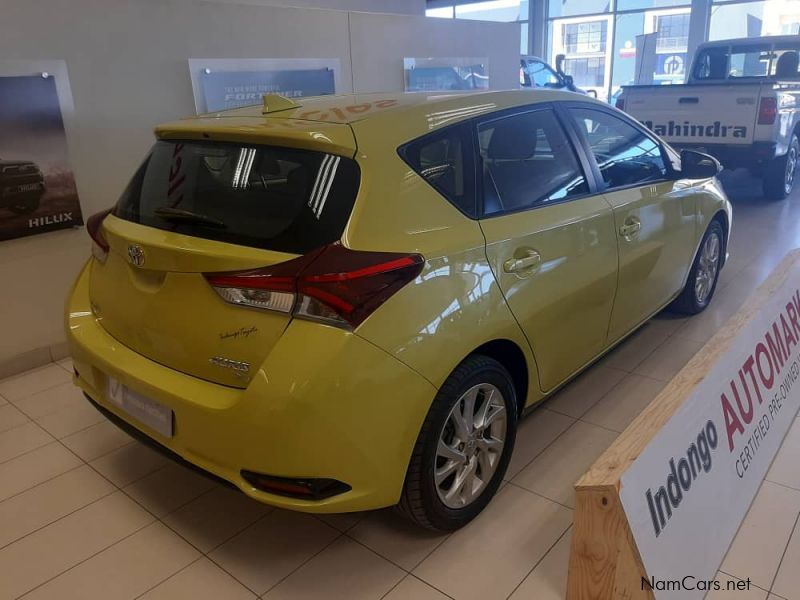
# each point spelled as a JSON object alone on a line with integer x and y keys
{"x": 347, "y": 303}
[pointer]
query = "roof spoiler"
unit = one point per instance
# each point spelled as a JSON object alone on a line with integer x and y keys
{"x": 276, "y": 103}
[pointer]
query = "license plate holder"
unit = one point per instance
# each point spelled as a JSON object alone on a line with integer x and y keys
{"x": 154, "y": 415}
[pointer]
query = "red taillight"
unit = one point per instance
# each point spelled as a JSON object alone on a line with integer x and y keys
{"x": 94, "y": 227}
{"x": 333, "y": 285}
{"x": 620, "y": 103}
{"x": 767, "y": 111}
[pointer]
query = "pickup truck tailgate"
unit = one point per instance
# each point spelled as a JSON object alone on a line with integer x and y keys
{"x": 705, "y": 114}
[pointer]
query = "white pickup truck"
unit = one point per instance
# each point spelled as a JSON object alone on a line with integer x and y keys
{"x": 740, "y": 104}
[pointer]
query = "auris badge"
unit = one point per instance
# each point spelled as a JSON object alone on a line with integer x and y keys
{"x": 239, "y": 367}
{"x": 136, "y": 255}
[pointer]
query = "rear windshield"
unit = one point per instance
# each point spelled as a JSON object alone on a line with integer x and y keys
{"x": 748, "y": 61}
{"x": 269, "y": 197}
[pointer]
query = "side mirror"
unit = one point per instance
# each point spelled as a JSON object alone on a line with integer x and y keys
{"x": 696, "y": 165}
{"x": 569, "y": 82}
{"x": 560, "y": 58}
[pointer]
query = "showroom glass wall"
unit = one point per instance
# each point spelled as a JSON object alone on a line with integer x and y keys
{"x": 598, "y": 37}
{"x": 735, "y": 19}
{"x": 488, "y": 10}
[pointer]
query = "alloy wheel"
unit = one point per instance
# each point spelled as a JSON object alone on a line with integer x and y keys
{"x": 791, "y": 167}
{"x": 707, "y": 268}
{"x": 470, "y": 445}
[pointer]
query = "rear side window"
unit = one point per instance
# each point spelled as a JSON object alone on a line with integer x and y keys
{"x": 625, "y": 155}
{"x": 749, "y": 61}
{"x": 527, "y": 162}
{"x": 444, "y": 160}
{"x": 281, "y": 199}
{"x": 786, "y": 61}
{"x": 711, "y": 64}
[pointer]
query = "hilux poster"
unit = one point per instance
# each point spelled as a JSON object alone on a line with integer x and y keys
{"x": 37, "y": 185}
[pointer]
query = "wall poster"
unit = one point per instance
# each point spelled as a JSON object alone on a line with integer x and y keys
{"x": 223, "y": 84}
{"x": 37, "y": 185}
{"x": 446, "y": 74}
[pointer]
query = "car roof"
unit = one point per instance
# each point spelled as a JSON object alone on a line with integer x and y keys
{"x": 330, "y": 121}
{"x": 351, "y": 108}
{"x": 758, "y": 41}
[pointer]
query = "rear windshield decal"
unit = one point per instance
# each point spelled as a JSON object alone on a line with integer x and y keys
{"x": 322, "y": 185}
{"x": 290, "y": 200}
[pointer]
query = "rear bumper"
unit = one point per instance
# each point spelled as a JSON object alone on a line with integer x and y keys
{"x": 324, "y": 404}
{"x": 735, "y": 156}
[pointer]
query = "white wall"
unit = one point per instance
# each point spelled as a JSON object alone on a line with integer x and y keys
{"x": 407, "y": 7}
{"x": 127, "y": 63}
{"x": 379, "y": 43}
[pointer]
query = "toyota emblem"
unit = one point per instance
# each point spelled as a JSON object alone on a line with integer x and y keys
{"x": 136, "y": 255}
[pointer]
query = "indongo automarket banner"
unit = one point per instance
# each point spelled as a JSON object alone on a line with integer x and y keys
{"x": 687, "y": 493}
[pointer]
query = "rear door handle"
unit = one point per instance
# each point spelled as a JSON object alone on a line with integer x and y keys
{"x": 524, "y": 259}
{"x": 689, "y": 100}
{"x": 630, "y": 228}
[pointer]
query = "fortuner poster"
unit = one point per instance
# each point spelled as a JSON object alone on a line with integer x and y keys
{"x": 37, "y": 185}
{"x": 224, "y": 90}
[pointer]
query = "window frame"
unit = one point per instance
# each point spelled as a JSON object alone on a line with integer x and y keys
{"x": 572, "y": 140}
{"x": 584, "y": 141}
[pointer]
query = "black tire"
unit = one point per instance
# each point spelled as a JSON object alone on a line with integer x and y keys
{"x": 688, "y": 302}
{"x": 420, "y": 501}
{"x": 25, "y": 207}
{"x": 779, "y": 173}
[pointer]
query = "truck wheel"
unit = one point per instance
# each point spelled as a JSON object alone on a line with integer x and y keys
{"x": 779, "y": 173}
{"x": 702, "y": 280}
{"x": 463, "y": 448}
{"x": 24, "y": 207}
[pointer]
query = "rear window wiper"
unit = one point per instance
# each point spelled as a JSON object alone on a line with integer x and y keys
{"x": 178, "y": 214}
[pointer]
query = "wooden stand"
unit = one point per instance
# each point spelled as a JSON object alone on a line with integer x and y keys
{"x": 605, "y": 563}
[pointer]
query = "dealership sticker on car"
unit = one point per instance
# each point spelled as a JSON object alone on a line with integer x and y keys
{"x": 148, "y": 412}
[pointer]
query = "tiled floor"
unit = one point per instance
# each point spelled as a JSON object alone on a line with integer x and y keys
{"x": 85, "y": 512}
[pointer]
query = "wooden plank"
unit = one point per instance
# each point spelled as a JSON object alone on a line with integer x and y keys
{"x": 604, "y": 563}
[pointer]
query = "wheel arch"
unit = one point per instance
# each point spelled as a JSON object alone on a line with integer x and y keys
{"x": 722, "y": 218}
{"x": 511, "y": 356}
